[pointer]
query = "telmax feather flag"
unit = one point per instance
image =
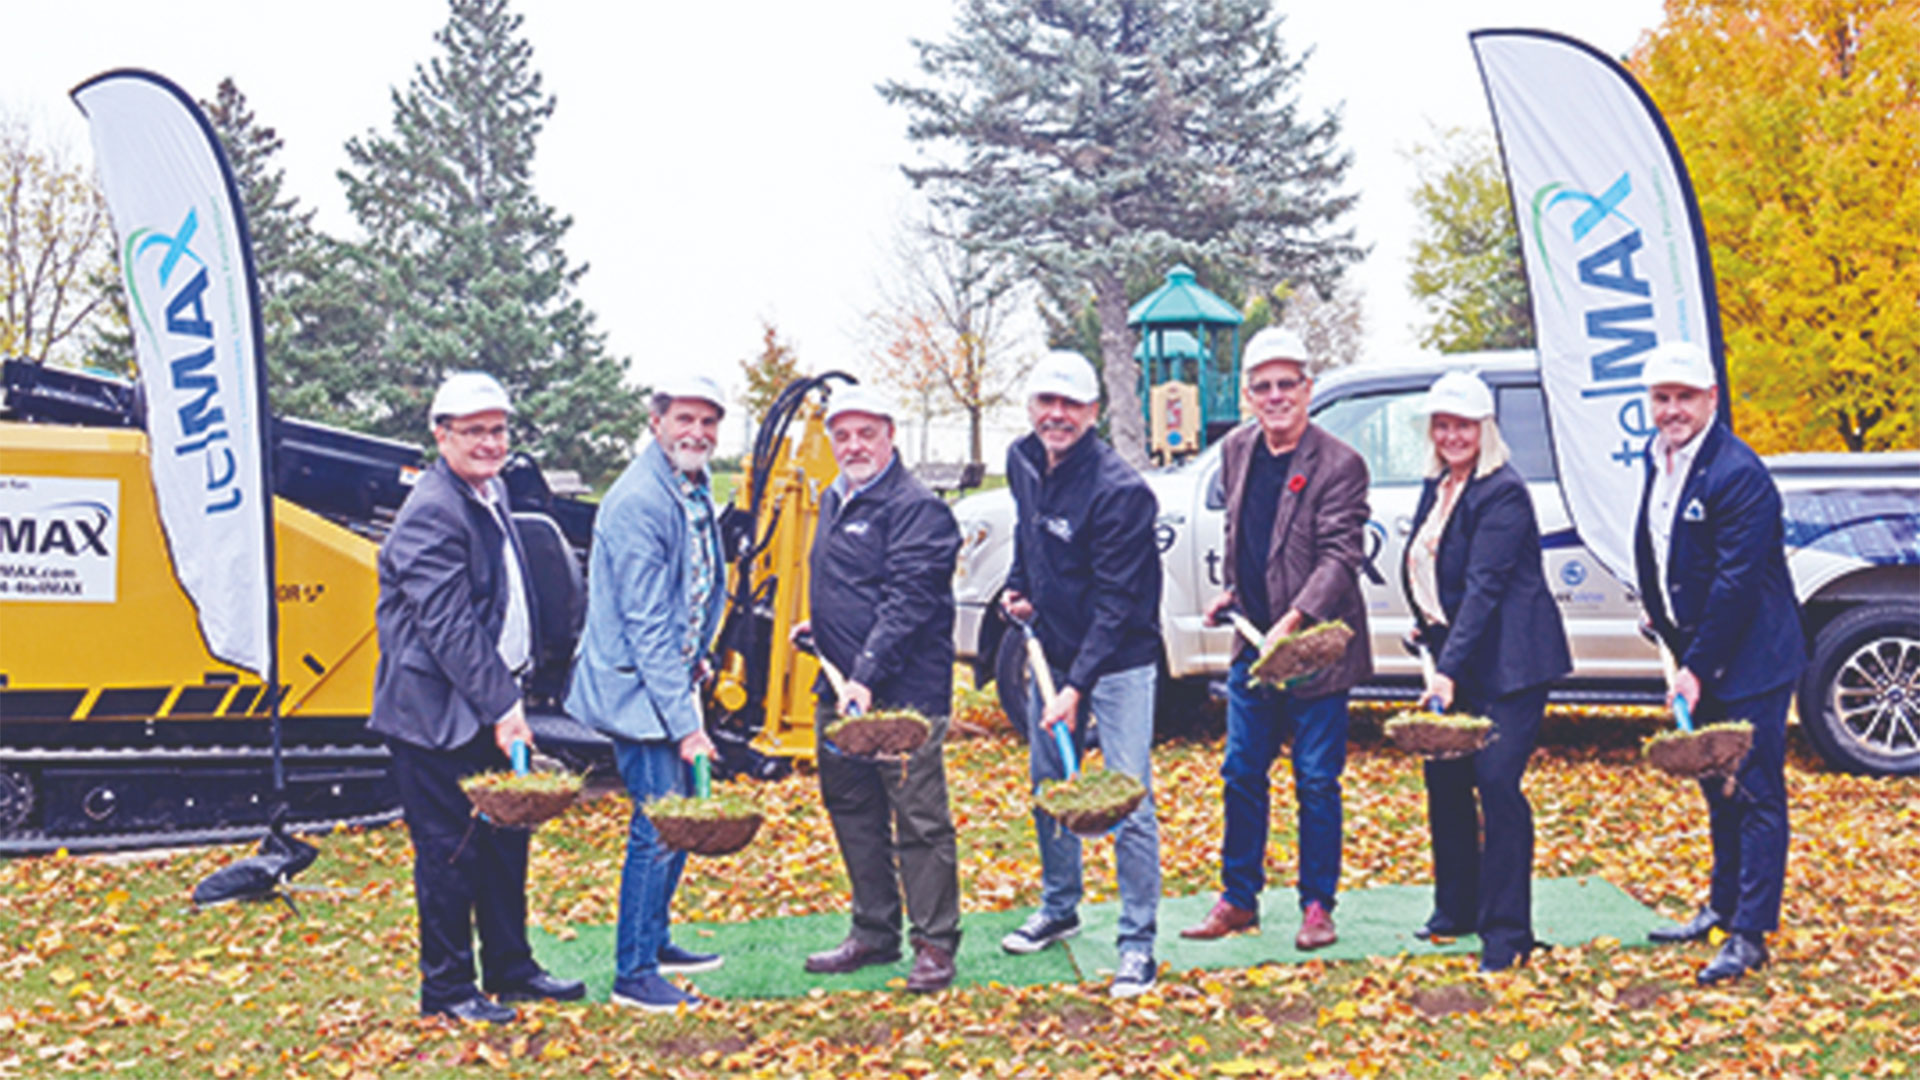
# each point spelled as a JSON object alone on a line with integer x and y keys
{"x": 1616, "y": 261}
{"x": 187, "y": 263}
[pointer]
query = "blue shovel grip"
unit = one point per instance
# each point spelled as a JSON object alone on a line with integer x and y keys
{"x": 1682, "y": 713}
{"x": 1063, "y": 739}
{"x": 522, "y": 758}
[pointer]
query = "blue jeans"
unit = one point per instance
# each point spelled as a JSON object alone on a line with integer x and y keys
{"x": 652, "y": 770}
{"x": 1259, "y": 718}
{"x": 1122, "y": 701}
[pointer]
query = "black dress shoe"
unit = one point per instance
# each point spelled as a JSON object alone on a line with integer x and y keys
{"x": 474, "y": 1010}
{"x": 1742, "y": 953}
{"x": 543, "y": 987}
{"x": 1438, "y": 927}
{"x": 850, "y": 956}
{"x": 932, "y": 968}
{"x": 1692, "y": 930}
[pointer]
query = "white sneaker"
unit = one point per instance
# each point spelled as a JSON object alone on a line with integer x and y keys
{"x": 1136, "y": 974}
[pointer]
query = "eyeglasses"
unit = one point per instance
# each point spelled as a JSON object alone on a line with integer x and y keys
{"x": 479, "y": 432}
{"x": 1274, "y": 386}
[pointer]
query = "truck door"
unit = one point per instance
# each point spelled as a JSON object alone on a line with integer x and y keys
{"x": 1388, "y": 431}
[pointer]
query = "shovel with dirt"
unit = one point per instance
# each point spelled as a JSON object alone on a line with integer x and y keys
{"x": 521, "y": 798}
{"x": 1287, "y": 660}
{"x": 1430, "y": 732}
{"x": 879, "y": 735}
{"x": 1087, "y": 803}
{"x": 705, "y": 824}
{"x": 1698, "y": 753}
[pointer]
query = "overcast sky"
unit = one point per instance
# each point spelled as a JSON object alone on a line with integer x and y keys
{"x": 725, "y": 163}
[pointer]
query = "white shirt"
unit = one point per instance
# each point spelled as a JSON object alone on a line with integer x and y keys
{"x": 516, "y": 631}
{"x": 1663, "y": 508}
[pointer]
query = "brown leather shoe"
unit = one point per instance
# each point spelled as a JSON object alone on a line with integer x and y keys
{"x": 1316, "y": 928}
{"x": 849, "y": 956}
{"x": 932, "y": 968}
{"x": 1224, "y": 919}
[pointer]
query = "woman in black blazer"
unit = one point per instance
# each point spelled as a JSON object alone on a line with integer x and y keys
{"x": 1482, "y": 610}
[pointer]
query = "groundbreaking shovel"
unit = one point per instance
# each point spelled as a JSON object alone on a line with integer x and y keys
{"x": 1698, "y": 753}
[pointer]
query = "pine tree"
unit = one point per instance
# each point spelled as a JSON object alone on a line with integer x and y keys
{"x": 320, "y": 335}
{"x": 1102, "y": 140}
{"x": 469, "y": 269}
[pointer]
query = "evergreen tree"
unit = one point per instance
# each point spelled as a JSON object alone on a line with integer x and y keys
{"x": 1102, "y": 140}
{"x": 470, "y": 273}
{"x": 320, "y": 333}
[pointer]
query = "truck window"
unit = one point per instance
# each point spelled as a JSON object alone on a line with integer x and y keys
{"x": 1386, "y": 429}
{"x": 1523, "y": 424}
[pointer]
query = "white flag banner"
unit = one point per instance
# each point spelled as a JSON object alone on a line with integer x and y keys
{"x": 187, "y": 264}
{"x": 1615, "y": 256}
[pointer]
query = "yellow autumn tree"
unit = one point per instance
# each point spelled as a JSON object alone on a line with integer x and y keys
{"x": 1800, "y": 124}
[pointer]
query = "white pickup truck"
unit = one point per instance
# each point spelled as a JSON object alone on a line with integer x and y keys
{"x": 1853, "y": 546}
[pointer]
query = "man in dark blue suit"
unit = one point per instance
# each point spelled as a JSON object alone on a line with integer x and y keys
{"x": 1713, "y": 576}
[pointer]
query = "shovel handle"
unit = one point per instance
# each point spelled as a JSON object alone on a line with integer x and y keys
{"x": 522, "y": 757}
{"x": 1247, "y": 629}
{"x": 1064, "y": 741}
{"x": 1682, "y": 712}
{"x": 702, "y": 777}
{"x": 1427, "y": 671}
{"x": 837, "y": 681}
{"x": 1042, "y": 674}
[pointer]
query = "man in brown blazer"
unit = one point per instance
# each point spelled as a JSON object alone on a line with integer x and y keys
{"x": 1296, "y": 509}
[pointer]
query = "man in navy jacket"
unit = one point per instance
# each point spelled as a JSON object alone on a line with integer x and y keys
{"x": 1086, "y": 571}
{"x": 881, "y": 611}
{"x": 1713, "y": 576}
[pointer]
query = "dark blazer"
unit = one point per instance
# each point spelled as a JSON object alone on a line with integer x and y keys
{"x": 1729, "y": 614}
{"x": 1084, "y": 553}
{"x": 443, "y": 599}
{"x": 1315, "y": 552}
{"x": 1503, "y": 632}
{"x": 882, "y": 592}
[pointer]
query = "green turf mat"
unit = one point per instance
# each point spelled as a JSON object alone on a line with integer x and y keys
{"x": 763, "y": 958}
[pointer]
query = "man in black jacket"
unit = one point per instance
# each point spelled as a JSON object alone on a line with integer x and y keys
{"x": 882, "y": 614}
{"x": 1086, "y": 571}
{"x": 1709, "y": 552}
{"x": 457, "y": 627}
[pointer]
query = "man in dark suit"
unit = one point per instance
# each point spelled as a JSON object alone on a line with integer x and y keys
{"x": 1296, "y": 508}
{"x": 456, "y": 625}
{"x": 1713, "y": 576}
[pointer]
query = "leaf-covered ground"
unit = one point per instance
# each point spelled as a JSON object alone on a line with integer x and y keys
{"x": 105, "y": 969}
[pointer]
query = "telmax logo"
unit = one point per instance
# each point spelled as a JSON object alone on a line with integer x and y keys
{"x": 69, "y": 528}
{"x": 154, "y": 260}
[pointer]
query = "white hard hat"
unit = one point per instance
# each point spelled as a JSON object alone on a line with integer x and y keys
{"x": 1273, "y": 344}
{"x": 1066, "y": 374}
{"x": 858, "y": 398}
{"x": 692, "y": 385}
{"x": 1458, "y": 393}
{"x": 1680, "y": 362}
{"x": 467, "y": 392}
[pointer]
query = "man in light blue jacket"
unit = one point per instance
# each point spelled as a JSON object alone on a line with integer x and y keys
{"x": 656, "y": 586}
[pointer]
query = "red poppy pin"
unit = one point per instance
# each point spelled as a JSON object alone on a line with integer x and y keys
{"x": 1296, "y": 484}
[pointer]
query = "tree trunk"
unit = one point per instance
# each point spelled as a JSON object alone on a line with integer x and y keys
{"x": 976, "y": 450}
{"x": 1126, "y": 423}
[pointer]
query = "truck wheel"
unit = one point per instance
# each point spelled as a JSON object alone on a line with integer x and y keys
{"x": 1860, "y": 699}
{"x": 1010, "y": 679}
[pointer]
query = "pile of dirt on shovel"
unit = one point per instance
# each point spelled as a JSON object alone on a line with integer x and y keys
{"x": 1713, "y": 750}
{"x": 718, "y": 825}
{"x": 1091, "y": 802}
{"x": 1302, "y": 653}
{"x": 884, "y": 733}
{"x": 521, "y": 800}
{"x": 1438, "y": 736}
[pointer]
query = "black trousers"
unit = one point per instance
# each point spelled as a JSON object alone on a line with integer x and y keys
{"x": 1488, "y": 884}
{"x": 1749, "y": 827}
{"x": 465, "y": 873}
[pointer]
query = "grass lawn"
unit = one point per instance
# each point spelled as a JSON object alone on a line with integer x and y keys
{"x": 105, "y": 969}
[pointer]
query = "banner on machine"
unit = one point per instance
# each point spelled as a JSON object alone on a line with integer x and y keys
{"x": 1616, "y": 261}
{"x": 187, "y": 264}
